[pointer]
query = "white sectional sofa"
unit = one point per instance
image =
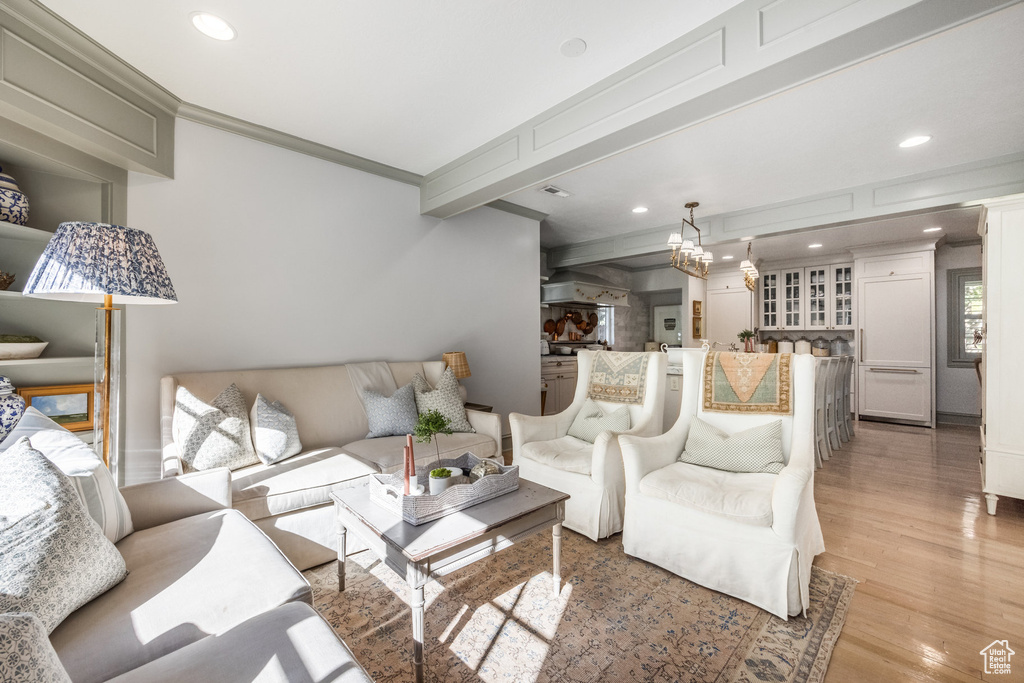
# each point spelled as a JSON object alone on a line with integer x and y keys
{"x": 207, "y": 598}
{"x": 290, "y": 500}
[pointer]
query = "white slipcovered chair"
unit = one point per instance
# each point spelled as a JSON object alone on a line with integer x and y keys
{"x": 750, "y": 535}
{"x": 590, "y": 473}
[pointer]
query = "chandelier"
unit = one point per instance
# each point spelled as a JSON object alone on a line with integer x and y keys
{"x": 750, "y": 273}
{"x": 684, "y": 250}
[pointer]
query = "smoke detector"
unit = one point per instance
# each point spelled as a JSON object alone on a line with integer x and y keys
{"x": 556, "y": 191}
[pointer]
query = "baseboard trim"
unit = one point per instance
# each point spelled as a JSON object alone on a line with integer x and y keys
{"x": 958, "y": 419}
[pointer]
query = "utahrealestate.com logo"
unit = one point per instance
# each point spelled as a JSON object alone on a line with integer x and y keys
{"x": 997, "y": 657}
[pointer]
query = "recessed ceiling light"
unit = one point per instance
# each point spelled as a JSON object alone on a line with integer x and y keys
{"x": 814, "y": 246}
{"x": 212, "y": 26}
{"x": 915, "y": 141}
{"x": 574, "y": 47}
{"x": 727, "y": 258}
{"x": 932, "y": 229}
{"x": 746, "y": 239}
{"x": 640, "y": 209}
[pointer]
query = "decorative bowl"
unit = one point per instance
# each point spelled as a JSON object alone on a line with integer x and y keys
{"x": 21, "y": 351}
{"x": 13, "y": 207}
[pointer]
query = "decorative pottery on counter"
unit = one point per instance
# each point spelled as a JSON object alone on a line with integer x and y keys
{"x": 12, "y": 407}
{"x": 6, "y": 280}
{"x": 19, "y": 347}
{"x": 13, "y": 204}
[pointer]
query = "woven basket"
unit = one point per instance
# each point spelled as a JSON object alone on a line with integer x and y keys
{"x": 386, "y": 491}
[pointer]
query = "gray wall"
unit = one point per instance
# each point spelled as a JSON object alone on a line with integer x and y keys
{"x": 956, "y": 389}
{"x": 281, "y": 259}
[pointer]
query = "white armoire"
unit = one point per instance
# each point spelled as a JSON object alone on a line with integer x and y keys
{"x": 1002, "y": 430}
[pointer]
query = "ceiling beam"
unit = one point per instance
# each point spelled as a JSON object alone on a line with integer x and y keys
{"x": 956, "y": 186}
{"x": 751, "y": 52}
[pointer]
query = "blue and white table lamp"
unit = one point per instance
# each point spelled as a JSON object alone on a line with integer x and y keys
{"x": 107, "y": 264}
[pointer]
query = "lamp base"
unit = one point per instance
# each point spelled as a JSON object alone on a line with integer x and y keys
{"x": 107, "y": 386}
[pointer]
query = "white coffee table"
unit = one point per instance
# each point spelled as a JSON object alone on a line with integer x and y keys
{"x": 437, "y": 548}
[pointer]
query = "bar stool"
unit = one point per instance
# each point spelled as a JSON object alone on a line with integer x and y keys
{"x": 831, "y": 419}
{"x": 847, "y": 406}
{"x": 841, "y": 398}
{"x": 822, "y": 452}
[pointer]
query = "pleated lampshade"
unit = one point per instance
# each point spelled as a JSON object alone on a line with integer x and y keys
{"x": 85, "y": 261}
{"x": 456, "y": 360}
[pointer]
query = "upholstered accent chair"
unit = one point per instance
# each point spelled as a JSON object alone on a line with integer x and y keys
{"x": 591, "y": 473}
{"x": 752, "y": 535}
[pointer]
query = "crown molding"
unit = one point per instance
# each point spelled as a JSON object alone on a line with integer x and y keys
{"x": 518, "y": 210}
{"x": 47, "y": 23}
{"x": 254, "y": 131}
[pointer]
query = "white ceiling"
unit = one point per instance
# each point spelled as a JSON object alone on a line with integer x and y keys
{"x": 958, "y": 225}
{"x": 417, "y": 84}
{"x": 409, "y": 84}
{"x": 965, "y": 87}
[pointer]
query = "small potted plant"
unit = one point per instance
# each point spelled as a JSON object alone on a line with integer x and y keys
{"x": 429, "y": 425}
{"x": 440, "y": 479}
{"x": 747, "y": 337}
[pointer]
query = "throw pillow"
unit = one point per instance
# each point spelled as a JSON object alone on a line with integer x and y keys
{"x": 26, "y": 653}
{"x": 592, "y": 420}
{"x": 73, "y": 456}
{"x": 444, "y": 398}
{"x": 274, "y": 432}
{"x": 393, "y": 415}
{"x": 53, "y": 557}
{"x": 758, "y": 449}
{"x": 215, "y": 434}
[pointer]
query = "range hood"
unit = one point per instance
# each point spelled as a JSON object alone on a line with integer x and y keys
{"x": 581, "y": 290}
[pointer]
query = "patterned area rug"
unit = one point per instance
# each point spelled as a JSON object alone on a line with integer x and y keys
{"x": 617, "y": 619}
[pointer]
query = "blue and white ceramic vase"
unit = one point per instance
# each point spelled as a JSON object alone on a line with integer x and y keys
{"x": 12, "y": 407}
{"x": 13, "y": 204}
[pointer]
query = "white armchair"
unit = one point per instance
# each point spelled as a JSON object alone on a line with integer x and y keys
{"x": 590, "y": 473}
{"x": 750, "y": 535}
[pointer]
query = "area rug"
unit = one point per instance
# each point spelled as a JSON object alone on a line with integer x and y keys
{"x": 617, "y": 618}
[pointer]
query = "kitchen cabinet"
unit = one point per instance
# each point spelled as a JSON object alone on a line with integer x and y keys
{"x": 1002, "y": 432}
{"x": 728, "y": 307}
{"x": 809, "y": 298}
{"x": 560, "y": 378}
{"x": 896, "y": 340}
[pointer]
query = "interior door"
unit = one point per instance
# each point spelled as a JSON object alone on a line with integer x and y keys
{"x": 894, "y": 320}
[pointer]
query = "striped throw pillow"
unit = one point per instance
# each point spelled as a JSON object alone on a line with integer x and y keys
{"x": 93, "y": 482}
{"x": 592, "y": 420}
{"x": 758, "y": 449}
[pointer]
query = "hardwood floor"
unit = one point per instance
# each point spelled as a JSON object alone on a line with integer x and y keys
{"x": 902, "y": 512}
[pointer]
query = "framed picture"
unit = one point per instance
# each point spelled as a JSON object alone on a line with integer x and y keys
{"x": 698, "y": 326}
{"x": 697, "y": 306}
{"x": 69, "y": 405}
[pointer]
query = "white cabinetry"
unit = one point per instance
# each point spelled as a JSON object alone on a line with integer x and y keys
{"x": 560, "y": 378}
{"x": 782, "y": 299}
{"x": 1002, "y": 462}
{"x": 729, "y": 307}
{"x": 896, "y": 343}
{"x": 810, "y": 298}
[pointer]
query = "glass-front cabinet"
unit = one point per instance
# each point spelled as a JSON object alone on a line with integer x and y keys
{"x": 817, "y": 297}
{"x": 841, "y": 282}
{"x": 770, "y": 301}
{"x": 811, "y": 298}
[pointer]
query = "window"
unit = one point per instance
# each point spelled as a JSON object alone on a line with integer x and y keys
{"x": 606, "y": 324}
{"x": 966, "y": 303}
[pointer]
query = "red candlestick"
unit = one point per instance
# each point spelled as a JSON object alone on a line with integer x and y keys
{"x": 408, "y": 458}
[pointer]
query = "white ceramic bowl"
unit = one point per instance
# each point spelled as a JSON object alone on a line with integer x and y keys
{"x": 20, "y": 351}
